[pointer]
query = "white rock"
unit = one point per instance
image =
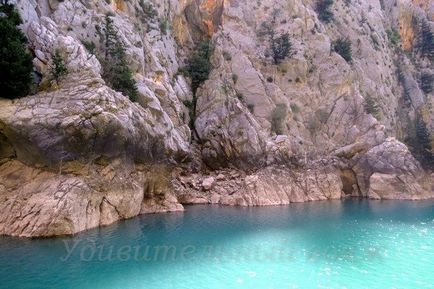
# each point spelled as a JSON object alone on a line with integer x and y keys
{"x": 208, "y": 183}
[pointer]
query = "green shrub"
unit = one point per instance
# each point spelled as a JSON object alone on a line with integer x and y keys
{"x": 234, "y": 78}
{"x": 281, "y": 48}
{"x": 342, "y": 46}
{"x": 372, "y": 107}
{"x": 240, "y": 96}
{"x": 198, "y": 69}
{"x": 148, "y": 9}
{"x": 280, "y": 45}
{"x": 251, "y": 107}
{"x": 90, "y": 46}
{"x": 427, "y": 82}
{"x": 324, "y": 10}
{"x": 278, "y": 118}
{"x": 15, "y": 62}
{"x": 58, "y": 69}
{"x": 187, "y": 103}
{"x": 198, "y": 65}
{"x": 164, "y": 26}
{"x": 182, "y": 71}
{"x": 394, "y": 37}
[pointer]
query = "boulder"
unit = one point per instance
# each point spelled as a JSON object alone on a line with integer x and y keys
{"x": 208, "y": 183}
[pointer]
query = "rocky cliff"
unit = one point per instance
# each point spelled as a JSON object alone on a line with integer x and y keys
{"x": 313, "y": 126}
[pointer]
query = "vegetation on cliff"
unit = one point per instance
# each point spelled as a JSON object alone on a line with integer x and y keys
{"x": 278, "y": 118}
{"x": 342, "y": 46}
{"x": 279, "y": 44}
{"x": 426, "y": 41}
{"x": 371, "y": 106}
{"x": 324, "y": 10}
{"x": 116, "y": 71}
{"x": 15, "y": 61}
{"x": 198, "y": 68}
{"x": 58, "y": 69}
{"x": 421, "y": 145}
{"x": 427, "y": 82}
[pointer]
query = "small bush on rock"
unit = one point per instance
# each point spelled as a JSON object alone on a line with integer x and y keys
{"x": 324, "y": 10}
{"x": 164, "y": 26}
{"x": 427, "y": 82}
{"x": 394, "y": 37}
{"x": 90, "y": 46}
{"x": 280, "y": 45}
{"x": 281, "y": 48}
{"x": 372, "y": 107}
{"x": 278, "y": 118}
{"x": 58, "y": 69}
{"x": 342, "y": 46}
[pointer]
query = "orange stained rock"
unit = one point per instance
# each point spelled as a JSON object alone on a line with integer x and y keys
{"x": 210, "y": 17}
{"x": 120, "y": 5}
{"x": 406, "y": 30}
{"x": 209, "y": 26}
{"x": 209, "y": 5}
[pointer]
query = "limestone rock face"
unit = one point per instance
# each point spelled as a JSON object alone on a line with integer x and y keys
{"x": 78, "y": 154}
{"x": 399, "y": 187}
{"x": 389, "y": 171}
{"x": 267, "y": 187}
{"x": 36, "y": 202}
{"x": 87, "y": 121}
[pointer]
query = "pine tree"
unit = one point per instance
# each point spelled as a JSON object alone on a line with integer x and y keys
{"x": 116, "y": 71}
{"x": 15, "y": 62}
{"x": 198, "y": 68}
{"x": 110, "y": 37}
{"x": 426, "y": 41}
{"x": 58, "y": 69}
{"x": 423, "y": 143}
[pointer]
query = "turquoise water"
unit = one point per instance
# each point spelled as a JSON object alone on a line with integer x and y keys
{"x": 350, "y": 244}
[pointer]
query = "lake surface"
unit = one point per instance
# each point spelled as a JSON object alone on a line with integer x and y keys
{"x": 348, "y": 244}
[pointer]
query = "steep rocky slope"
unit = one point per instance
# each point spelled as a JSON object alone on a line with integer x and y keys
{"x": 81, "y": 155}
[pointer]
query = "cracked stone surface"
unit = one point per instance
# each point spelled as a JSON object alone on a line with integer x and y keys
{"x": 79, "y": 155}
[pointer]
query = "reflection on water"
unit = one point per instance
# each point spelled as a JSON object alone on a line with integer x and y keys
{"x": 355, "y": 244}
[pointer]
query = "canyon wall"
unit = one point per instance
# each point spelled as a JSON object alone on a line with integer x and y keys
{"x": 79, "y": 155}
